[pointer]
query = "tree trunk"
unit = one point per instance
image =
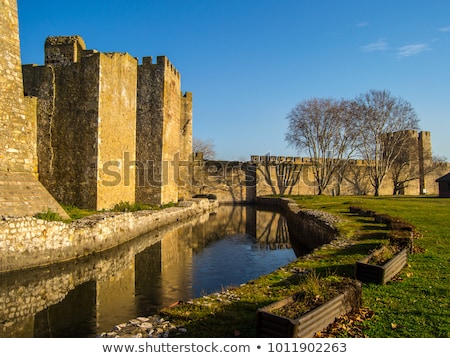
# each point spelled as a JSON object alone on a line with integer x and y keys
{"x": 377, "y": 191}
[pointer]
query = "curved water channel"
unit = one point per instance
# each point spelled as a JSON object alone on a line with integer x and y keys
{"x": 179, "y": 262}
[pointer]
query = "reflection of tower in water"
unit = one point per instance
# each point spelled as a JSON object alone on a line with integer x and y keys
{"x": 272, "y": 231}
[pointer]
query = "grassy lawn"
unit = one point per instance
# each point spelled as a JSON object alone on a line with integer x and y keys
{"x": 414, "y": 304}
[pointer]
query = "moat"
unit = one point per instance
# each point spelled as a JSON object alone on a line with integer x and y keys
{"x": 179, "y": 262}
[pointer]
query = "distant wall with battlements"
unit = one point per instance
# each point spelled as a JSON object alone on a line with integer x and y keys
{"x": 281, "y": 175}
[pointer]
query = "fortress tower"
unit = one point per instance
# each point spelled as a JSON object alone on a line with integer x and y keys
{"x": 102, "y": 118}
{"x": 20, "y": 191}
{"x": 425, "y": 161}
{"x": 164, "y": 127}
{"x": 86, "y": 123}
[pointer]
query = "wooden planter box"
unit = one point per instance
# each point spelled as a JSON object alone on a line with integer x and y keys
{"x": 366, "y": 272}
{"x": 307, "y": 325}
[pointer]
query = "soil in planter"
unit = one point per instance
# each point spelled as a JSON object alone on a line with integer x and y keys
{"x": 384, "y": 254}
{"x": 314, "y": 292}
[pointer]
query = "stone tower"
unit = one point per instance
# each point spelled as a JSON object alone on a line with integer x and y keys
{"x": 164, "y": 127}
{"x": 86, "y": 123}
{"x": 20, "y": 191}
{"x": 425, "y": 161}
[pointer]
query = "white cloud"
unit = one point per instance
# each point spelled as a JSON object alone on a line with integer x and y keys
{"x": 411, "y": 50}
{"x": 380, "y": 45}
{"x": 444, "y": 29}
{"x": 362, "y": 24}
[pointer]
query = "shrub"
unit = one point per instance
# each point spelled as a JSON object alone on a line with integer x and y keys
{"x": 125, "y": 207}
{"x": 48, "y": 215}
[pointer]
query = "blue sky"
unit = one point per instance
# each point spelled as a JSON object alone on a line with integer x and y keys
{"x": 248, "y": 62}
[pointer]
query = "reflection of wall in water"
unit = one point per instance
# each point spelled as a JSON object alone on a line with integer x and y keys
{"x": 115, "y": 292}
{"x": 161, "y": 269}
{"x": 268, "y": 228}
{"x": 271, "y": 231}
{"x": 77, "y": 308}
{"x": 25, "y": 294}
{"x": 113, "y": 278}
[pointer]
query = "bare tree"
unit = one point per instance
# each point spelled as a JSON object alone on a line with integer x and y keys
{"x": 285, "y": 177}
{"x": 383, "y": 124}
{"x": 205, "y": 147}
{"x": 325, "y": 129}
{"x": 404, "y": 170}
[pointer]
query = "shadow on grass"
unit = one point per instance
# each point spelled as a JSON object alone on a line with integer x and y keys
{"x": 237, "y": 319}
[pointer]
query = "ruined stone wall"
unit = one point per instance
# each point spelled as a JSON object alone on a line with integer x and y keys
{"x": 229, "y": 181}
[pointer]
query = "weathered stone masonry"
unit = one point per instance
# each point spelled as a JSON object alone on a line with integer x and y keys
{"x": 27, "y": 242}
{"x": 164, "y": 127}
{"x": 20, "y": 191}
{"x": 109, "y": 129}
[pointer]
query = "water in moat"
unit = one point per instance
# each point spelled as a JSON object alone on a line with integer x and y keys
{"x": 179, "y": 262}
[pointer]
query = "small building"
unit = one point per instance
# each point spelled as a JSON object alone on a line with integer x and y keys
{"x": 444, "y": 186}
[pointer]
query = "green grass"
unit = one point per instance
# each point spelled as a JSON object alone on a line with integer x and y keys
{"x": 48, "y": 215}
{"x": 415, "y": 304}
{"x": 76, "y": 213}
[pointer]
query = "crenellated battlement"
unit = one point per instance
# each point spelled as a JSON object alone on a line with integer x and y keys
{"x": 161, "y": 62}
{"x": 164, "y": 61}
{"x": 276, "y": 160}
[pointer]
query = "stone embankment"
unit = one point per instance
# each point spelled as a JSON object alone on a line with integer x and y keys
{"x": 27, "y": 242}
{"x": 157, "y": 327}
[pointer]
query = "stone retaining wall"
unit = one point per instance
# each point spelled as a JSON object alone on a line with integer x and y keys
{"x": 27, "y": 242}
{"x": 312, "y": 228}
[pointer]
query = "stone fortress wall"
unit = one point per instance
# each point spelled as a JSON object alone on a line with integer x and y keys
{"x": 20, "y": 191}
{"x": 109, "y": 129}
{"x": 98, "y": 129}
{"x": 281, "y": 175}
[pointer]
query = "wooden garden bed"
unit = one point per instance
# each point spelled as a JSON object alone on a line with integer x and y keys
{"x": 381, "y": 273}
{"x": 270, "y": 324}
